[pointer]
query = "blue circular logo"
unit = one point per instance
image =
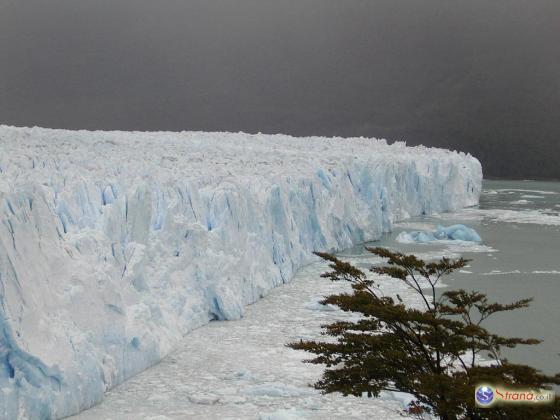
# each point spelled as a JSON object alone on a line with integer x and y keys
{"x": 484, "y": 395}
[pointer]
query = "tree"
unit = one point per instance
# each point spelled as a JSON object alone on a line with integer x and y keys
{"x": 431, "y": 353}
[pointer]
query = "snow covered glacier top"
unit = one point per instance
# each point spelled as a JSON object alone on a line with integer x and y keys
{"x": 113, "y": 245}
{"x": 205, "y": 157}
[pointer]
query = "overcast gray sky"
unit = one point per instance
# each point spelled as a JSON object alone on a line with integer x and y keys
{"x": 477, "y": 75}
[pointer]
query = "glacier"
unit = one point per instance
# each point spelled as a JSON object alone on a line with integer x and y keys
{"x": 114, "y": 245}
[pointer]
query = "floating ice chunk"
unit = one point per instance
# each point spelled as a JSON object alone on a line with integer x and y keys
{"x": 500, "y": 273}
{"x": 316, "y": 305}
{"x": 404, "y": 398}
{"x": 466, "y": 246}
{"x": 451, "y": 233}
{"x": 517, "y": 190}
{"x": 276, "y": 389}
{"x": 460, "y": 233}
{"x": 203, "y": 398}
{"x": 284, "y": 414}
{"x": 531, "y": 196}
{"x": 243, "y": 374}
{"x": 538, "y": 216}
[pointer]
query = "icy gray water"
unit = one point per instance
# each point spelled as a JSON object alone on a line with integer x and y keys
{"x": 241, "y": 369}
{"x": 519, "y": 223}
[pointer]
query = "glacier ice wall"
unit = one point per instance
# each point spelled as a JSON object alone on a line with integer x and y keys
{"x": 114, "y": 245}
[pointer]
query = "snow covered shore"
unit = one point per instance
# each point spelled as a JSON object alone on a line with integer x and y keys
{"x": 113, "y": 245}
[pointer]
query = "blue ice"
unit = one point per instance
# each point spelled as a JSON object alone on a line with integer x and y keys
{"x": 451, "y": 233}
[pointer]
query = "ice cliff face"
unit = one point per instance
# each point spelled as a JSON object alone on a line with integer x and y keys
{"x": 114, "y": 245}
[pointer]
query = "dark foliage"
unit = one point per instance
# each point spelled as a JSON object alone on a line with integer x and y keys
{"x": 430, "y": 353}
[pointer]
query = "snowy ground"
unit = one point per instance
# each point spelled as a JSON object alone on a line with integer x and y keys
{"x": 242, "y": 369}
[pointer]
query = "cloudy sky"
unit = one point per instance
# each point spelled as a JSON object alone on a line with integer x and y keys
{"x": 476, "y": 75}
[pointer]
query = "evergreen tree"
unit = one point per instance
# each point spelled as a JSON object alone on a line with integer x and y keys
{"x": 432, "y": 353}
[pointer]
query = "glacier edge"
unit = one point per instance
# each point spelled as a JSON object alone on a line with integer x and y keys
{"x": 114, "y": 245}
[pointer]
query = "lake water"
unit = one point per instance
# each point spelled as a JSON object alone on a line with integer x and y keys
{"x": 242, "y": 369}
{"x": 519, "y": 223}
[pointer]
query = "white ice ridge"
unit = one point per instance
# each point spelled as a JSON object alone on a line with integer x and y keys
{"x": 114, "y": 245}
